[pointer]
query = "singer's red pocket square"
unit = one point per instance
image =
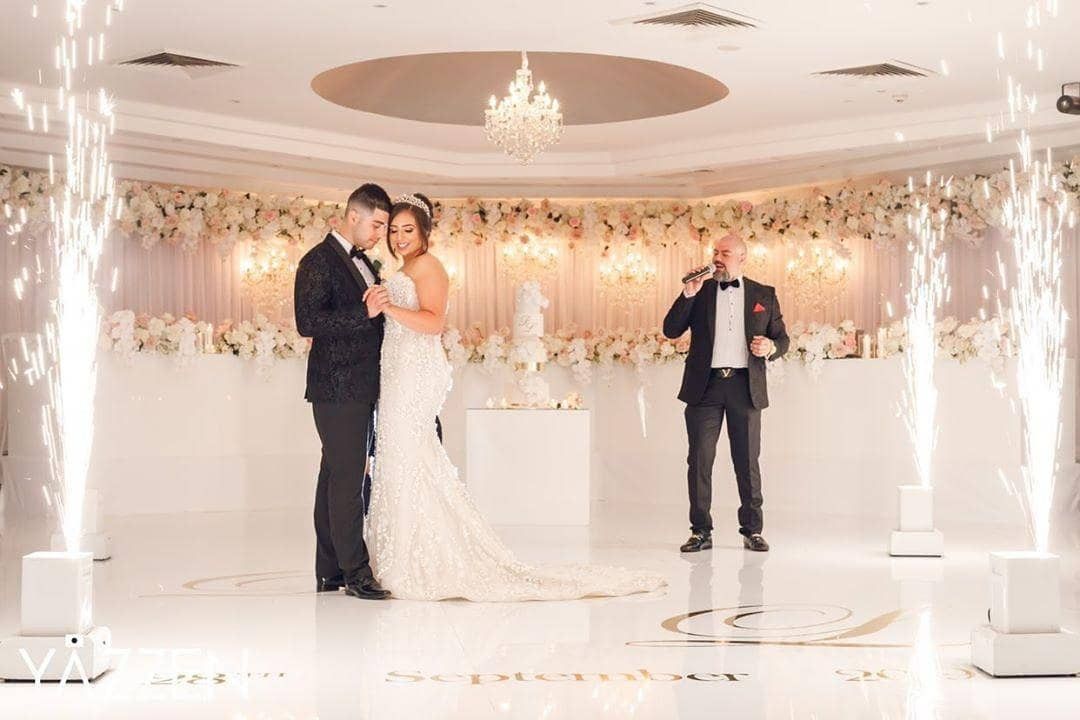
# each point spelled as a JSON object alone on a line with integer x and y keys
{"x": 758, "y": 307}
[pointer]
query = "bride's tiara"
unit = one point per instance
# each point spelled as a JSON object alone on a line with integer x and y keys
{"x": 410, "y": 199}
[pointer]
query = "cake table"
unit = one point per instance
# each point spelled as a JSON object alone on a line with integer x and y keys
{"x": 529, "y": 466}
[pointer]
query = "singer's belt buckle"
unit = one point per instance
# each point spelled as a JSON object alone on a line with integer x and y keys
{"x": 726, "y": 372}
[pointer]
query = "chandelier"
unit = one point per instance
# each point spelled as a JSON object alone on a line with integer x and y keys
{"x": 627, "y": 281}
{"x": 522, "y": 126}
{"x": 816, "y": 276}
{"x": 529, "y": 260}
{"x": 267, "y": 279}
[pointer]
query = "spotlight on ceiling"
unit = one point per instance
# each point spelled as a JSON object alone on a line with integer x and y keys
{"x": 1069, "y": 102}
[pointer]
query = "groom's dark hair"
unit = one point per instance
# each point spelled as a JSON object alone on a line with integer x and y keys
{"x": 368, "y": 197}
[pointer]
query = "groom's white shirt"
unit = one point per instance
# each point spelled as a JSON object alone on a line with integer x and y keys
{"x": 360, "y": 264}
{"x": 729, "y": 339}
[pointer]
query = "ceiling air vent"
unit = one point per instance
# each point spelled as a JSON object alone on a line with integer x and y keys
{"x": 697, "y": 15}
{"x": 893, "y": 68}
{"x": 190, "y": 65}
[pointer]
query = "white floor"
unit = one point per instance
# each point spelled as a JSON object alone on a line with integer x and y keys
{"x": 219, "y": 616}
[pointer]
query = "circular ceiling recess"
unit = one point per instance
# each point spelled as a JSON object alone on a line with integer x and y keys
{"x": 453, "y": 88}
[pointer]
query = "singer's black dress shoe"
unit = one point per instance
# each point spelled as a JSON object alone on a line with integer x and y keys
{"x": 332, "y": 584}
{"x": 366, "y": 589}
{"x": 698, "y": 541}
{"x": 756, "y": 543}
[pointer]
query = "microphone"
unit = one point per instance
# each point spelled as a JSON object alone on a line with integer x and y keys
{"x": 697, "y": 274}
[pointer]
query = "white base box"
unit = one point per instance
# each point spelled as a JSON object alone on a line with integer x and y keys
{"x": 62, "y": 658}
{"x": 57, "y": 594}
{"x": 916, "y": 544}
{"x": 1025, "y": 592}
{"x": 1025, "y": 654}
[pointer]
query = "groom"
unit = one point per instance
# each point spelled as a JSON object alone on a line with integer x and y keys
{"x": 735, "y": 327}
{"x": 343, "y": 385}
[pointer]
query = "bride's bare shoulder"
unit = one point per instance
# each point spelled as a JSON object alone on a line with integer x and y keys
{"x": 428, "y": 266}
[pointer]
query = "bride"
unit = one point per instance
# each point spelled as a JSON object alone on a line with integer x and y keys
{"x": 428, "y": 540}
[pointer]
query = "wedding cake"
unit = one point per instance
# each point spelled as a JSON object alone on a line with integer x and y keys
{"x": 527, "y": 346}
{"x": 527, "y": 349}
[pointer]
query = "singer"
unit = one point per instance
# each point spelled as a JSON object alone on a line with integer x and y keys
{"x": 735, "y": 328}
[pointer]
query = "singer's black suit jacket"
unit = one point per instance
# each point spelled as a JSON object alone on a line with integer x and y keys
{"x": 698, "y": 314}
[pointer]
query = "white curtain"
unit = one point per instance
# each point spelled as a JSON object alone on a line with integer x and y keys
{"x": 166, "y": 279}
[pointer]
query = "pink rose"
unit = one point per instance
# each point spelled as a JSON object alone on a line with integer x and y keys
{"x": 476, "y": 219}
{"x": 746, "y": 206}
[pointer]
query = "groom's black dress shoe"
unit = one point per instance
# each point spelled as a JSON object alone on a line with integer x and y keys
{"x": 330, "y": 584}
{"x": 698, "y": 541}
{"x": 756, "y": 543}
{"x": 366, "y": 589}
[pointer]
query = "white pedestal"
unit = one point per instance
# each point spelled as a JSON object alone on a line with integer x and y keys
{"x": 1025, "y": 636}
{"x": 529, "y": 467}
{"x": 75, "y": 658}
{"x": 1025, "y": 592}
{"x": 57, "y": 594}
{"x": 1025, "y": 654}
{"x": 916, "y": 544}
{"x": 916, "y": 536}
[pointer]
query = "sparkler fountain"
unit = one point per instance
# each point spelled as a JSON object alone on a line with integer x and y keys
{"x": 1024, "y": 635}
{"x": 57, "y": 587}
{"x": 928, "y": 287}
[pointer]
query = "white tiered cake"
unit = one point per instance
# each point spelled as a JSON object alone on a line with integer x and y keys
{"x": 527, "y": 346}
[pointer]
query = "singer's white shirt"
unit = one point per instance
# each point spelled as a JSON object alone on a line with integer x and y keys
{"x": 360, "y": 264}
{"x": 730, "y": 348}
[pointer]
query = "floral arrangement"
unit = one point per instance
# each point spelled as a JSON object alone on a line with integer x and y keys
{"x": 573, "y": 401}
{"x": 582, "y": 352}
{"x": 192, "y": 218}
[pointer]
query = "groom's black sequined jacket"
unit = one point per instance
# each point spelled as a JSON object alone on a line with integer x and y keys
{"x": 344, "y": 362}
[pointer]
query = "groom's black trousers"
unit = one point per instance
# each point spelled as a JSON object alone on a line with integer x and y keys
{"x": 344, "y": 430}
{"x": 730, "y": 398}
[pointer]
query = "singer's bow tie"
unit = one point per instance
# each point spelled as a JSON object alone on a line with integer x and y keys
{"x": 356, "y": 252}
{"x": 725, "y": 284}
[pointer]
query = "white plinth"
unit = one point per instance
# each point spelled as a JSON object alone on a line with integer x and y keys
{"x": 1025, "y": 654}
{"x": 915, "y": 508}
{"x": 75, "y": 658}
{"x": 1025, "y": 592}
{"x": 916, "y": 544}
{"x": 529, "y": 467}
{"x": 57, "y": 593}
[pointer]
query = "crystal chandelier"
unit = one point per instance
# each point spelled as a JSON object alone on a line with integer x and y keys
{"x": 522, "y": 126}
{"x": 267, "y": 279}
{"x": 627, "y": 281}
{"x": 529, "y": 260}
{"x": 816, "y": 276}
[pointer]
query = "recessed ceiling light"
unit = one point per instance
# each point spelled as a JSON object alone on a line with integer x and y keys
{"x": 728, "y": 48}
{"x": 381, "y": 5}
{"x": 234, "y": 100}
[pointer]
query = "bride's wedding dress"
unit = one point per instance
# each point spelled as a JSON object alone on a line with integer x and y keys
{"x": 427, "y": 539}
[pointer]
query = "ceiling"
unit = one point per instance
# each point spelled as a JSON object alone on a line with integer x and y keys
{"x": 262, "y": 126}
{"x": 446, "y": 88}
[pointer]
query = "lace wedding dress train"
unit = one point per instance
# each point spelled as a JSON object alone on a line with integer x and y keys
{"x": 427, "y": 539}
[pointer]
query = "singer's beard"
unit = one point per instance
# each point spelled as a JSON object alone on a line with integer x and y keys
{"x": 722, "y": 275}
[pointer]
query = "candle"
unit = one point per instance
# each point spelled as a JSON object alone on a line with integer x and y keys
{"x": 208, "y": 338}
{"x": 881, "y": 338}
{"x": 866, "y": 345}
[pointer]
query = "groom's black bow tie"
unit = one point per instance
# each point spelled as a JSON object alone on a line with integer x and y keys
{"x": 725, "y": 284}
{"x": 356, "y": 252}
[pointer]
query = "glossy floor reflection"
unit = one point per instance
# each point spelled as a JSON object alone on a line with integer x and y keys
{"x": 218, "y": 618}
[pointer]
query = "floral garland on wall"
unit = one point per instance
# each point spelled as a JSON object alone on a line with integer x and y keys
{"x": 192, "y": 218}
{"x": 583, "y": 353}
